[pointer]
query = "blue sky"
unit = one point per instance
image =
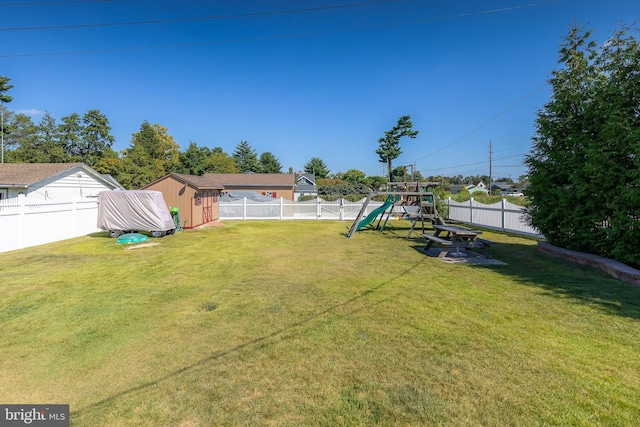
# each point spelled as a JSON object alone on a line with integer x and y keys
{"x": 307, "y": 78}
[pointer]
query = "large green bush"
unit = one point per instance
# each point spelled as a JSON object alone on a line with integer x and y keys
{"x": 584, "y": 165}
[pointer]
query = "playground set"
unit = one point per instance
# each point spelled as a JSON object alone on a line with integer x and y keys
{"x": 417, "y": 203}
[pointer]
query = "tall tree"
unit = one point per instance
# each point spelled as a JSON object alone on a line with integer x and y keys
{"x": 318, "y": 167}
{"x": 585, "y": 155}
{"x": 221, "y": 162}
{"x": 167, "y": 152}
{"x": 269, "y": 163}
{"x": 246, "y": 158}
{"x": 4, "y": 87}
{"x": 152, "y": 154}
{"x": 109, "y": 164}
{"x": 193, "y": 160}
{"x": 86, "y": 139}
{"x": 51, "y": 150}
{"x": 22, "y": 137}
{"x": 390, "y": 142}
{"x": 70, "y": 133}
{"x": 96, "y": 136}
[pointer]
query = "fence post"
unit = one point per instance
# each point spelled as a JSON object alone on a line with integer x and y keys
{"x": 504, "y": 208}
{"x": 22, "y": 201}
{"x": 318, "y": 207}
{"x": 471, "y": 210}
{"x": 244, "y": 208}
{"x": 281, "y": 208}
{"x": 341, "y": 209}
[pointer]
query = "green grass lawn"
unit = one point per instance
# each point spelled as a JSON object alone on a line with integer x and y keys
{"x": 291, "y": 323}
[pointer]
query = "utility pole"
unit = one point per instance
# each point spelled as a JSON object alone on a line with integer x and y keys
{"x": 490, "y": 167}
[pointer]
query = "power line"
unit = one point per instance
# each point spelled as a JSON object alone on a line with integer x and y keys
{"x": 200, "y": 18}
{"x": 476, "y": 163}
{"x": 276, "y": 37}
{"x": 503, "y": 112}
{"x": 49, "y": 3}
{"x": 509, "y": 108}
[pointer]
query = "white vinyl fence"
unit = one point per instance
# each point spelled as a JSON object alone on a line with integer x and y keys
{"x": 502, "y": 216}
{"x": 282, "y": 209}
{"x": 26, "y": 222}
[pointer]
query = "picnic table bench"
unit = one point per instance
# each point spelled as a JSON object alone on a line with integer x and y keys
{"x": 448, "y": 237}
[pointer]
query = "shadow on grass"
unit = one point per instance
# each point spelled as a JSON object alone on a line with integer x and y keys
{"x": 99, "y": 234}
{"x": 582, "y": 283}
{"x": 282, "y": 334}
{"x": 585, "y": 284}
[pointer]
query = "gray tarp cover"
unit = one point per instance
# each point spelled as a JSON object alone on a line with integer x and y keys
{"x": 133, "y": 210}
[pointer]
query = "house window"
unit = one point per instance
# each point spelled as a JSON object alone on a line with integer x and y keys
{"x": 4, "y": 193}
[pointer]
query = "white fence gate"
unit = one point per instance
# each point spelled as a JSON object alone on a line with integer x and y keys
{"x": 26, "y": 222}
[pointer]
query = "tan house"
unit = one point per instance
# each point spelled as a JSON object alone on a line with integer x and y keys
{"x": 195, "y": 196}
{"x": 274, "y": 185}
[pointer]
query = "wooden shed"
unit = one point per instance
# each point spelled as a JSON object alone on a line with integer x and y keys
{"x": 195, "y": 196}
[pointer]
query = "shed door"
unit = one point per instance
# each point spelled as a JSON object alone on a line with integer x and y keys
{"x": 207, "y": 204}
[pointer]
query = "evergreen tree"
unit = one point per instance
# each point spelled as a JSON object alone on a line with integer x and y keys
{"x": 390, "y": 143}
{"x": 96, "y": 135}
{"x": 22, "y": 137}
{"x": 193, "y": 160}
{"x": 246, "y": 158}
{"x": 4, "y": 87}
{"x": 86, "y": 139}
{"x": 585, "y": 156}
{"x": 318, "y": 167}
{"x": 51, "y": 150}
{"x": 269, "y": 163}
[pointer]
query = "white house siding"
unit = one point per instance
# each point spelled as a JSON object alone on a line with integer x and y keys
{"x": 74, "y": 184}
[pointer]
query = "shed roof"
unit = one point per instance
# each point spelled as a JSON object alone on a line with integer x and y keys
{"x": 199, "y": 182}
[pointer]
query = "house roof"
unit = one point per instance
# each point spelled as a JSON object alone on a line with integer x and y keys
{"x": 306, "y": 179}
{"x": 252, "y": 179}
{"x": 306, "y": 183}
{"x": 27, "y": 174}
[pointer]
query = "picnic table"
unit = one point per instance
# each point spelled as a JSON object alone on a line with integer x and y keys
{"x": 449, "y": 237}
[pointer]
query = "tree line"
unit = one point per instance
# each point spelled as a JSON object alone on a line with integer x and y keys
{"x": 153, "y": 153}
